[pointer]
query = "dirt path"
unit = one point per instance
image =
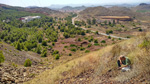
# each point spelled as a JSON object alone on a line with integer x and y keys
{"x": 104, "y": 34}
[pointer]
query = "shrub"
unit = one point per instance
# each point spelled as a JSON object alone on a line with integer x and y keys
{"x": 109, "y": 37}
{"x": 119, "y": 38}
{"x": 2, "y": 58}
{"x": 73, "y": 49}
{"x": 65, "y": 46}
{"x": 140, "y": 30}
{"x": 145, "y": 44}
{"x": 89, "y": 45}
{"x": 103, "y": 41}
{"x": 72, "y": 45}
{"x": 28, "y": 63}
{"x": 44, "y": 53}
{"x": 91, "y": 39}
{"x": 18, "y": 46}
{"x": 66, "y": 35}
{"x": 79, "y": 39}
{"x": 128, "y": 36}
{"x": 113, "y": 39}
{"x": 96, "y": 44}
{"x": 38, "y": 50}
{"x": 70, "y": 54}
{"x": 55, "y": 52}
{"x": 89, "y": 26}
{"x": 14, "y": 65}
{"x": 53, "y": 43}
{"x": 82, "y": 48}
{"x": 40, "y": 39}
{"x": 95, "y": 41}
{"x": 57, "y": 56}
{"x": 88, "y": 31}
{"x": 96, "y": 32}
{"x": 44, "y": 43}
{"x": 82, "y": 33}
{"x": 87, "y": 51}
{"x": 109, "y": 32}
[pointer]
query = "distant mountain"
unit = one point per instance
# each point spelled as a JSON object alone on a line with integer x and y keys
{"x": 56, "y": 6}
{"x": 73, "y": 9}
{"x": 112, "y": 11}
{"x": 143, "y": 4}
{"x": 121, "y": 5}
{"x": 34, "y": 9}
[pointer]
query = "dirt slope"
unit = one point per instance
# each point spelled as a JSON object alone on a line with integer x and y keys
{"x": 100, "y": 67}
{"x": 18, "y": 57}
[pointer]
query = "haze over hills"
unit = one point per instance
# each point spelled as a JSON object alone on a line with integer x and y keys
{"x": 57, "y": 6}
{"x": 34, "y": 9}
{"x": 72, "y": 9}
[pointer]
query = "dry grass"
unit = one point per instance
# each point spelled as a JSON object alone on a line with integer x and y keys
{"x": 139, "y": 58}
{"x": 102, "y": 61}
{"x": 51, "y": 76}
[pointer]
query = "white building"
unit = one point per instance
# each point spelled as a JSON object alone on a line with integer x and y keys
{"x": 29, "y": 18}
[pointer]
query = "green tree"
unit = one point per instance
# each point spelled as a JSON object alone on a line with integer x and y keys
{"x": 2, "y": 58}
{"x": 105, "y": 22}
{"x": 44, "y": 43}
{"x": 44, "y": 53}
{"x": 40, "y": 39}
{"x": 89, "y": 21}
{"x": 103, "y": 41}
{"x": 66, "y": 35}
{"x": 96, "y": 32}
{"x": 95, "y": 41}
{"x": 57, "y": 56}
{"x": 94, "y": 21}
{"x": 18, "y": 46}
{"x": 38, "y": 49}
{"x": 140, "y": 30}
{"x": 82, "y": 33}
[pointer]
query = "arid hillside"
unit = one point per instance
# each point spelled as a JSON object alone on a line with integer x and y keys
{"x": 143, "y": 7}
{"x": 100, "y": 67}
{"x": 113, "y": 11}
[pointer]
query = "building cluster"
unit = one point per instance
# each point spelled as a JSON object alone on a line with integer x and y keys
{"x": 29, "y": 18}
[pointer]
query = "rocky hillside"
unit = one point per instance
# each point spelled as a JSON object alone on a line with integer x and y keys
{"x": 100, "y": 67}
{"x": 113, "y": 11}
{"x": 141, "y": 7}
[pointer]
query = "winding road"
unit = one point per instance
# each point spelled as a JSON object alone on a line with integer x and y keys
{"x": 73, "y": 22}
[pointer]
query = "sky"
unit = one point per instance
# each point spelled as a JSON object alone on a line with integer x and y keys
{"x": 42, "y": 3}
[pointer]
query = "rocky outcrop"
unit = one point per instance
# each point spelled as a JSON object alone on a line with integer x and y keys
{"x": 13, "y": 75}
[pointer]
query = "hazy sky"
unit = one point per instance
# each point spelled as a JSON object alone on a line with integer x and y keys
{"x": 25, "y": 3}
